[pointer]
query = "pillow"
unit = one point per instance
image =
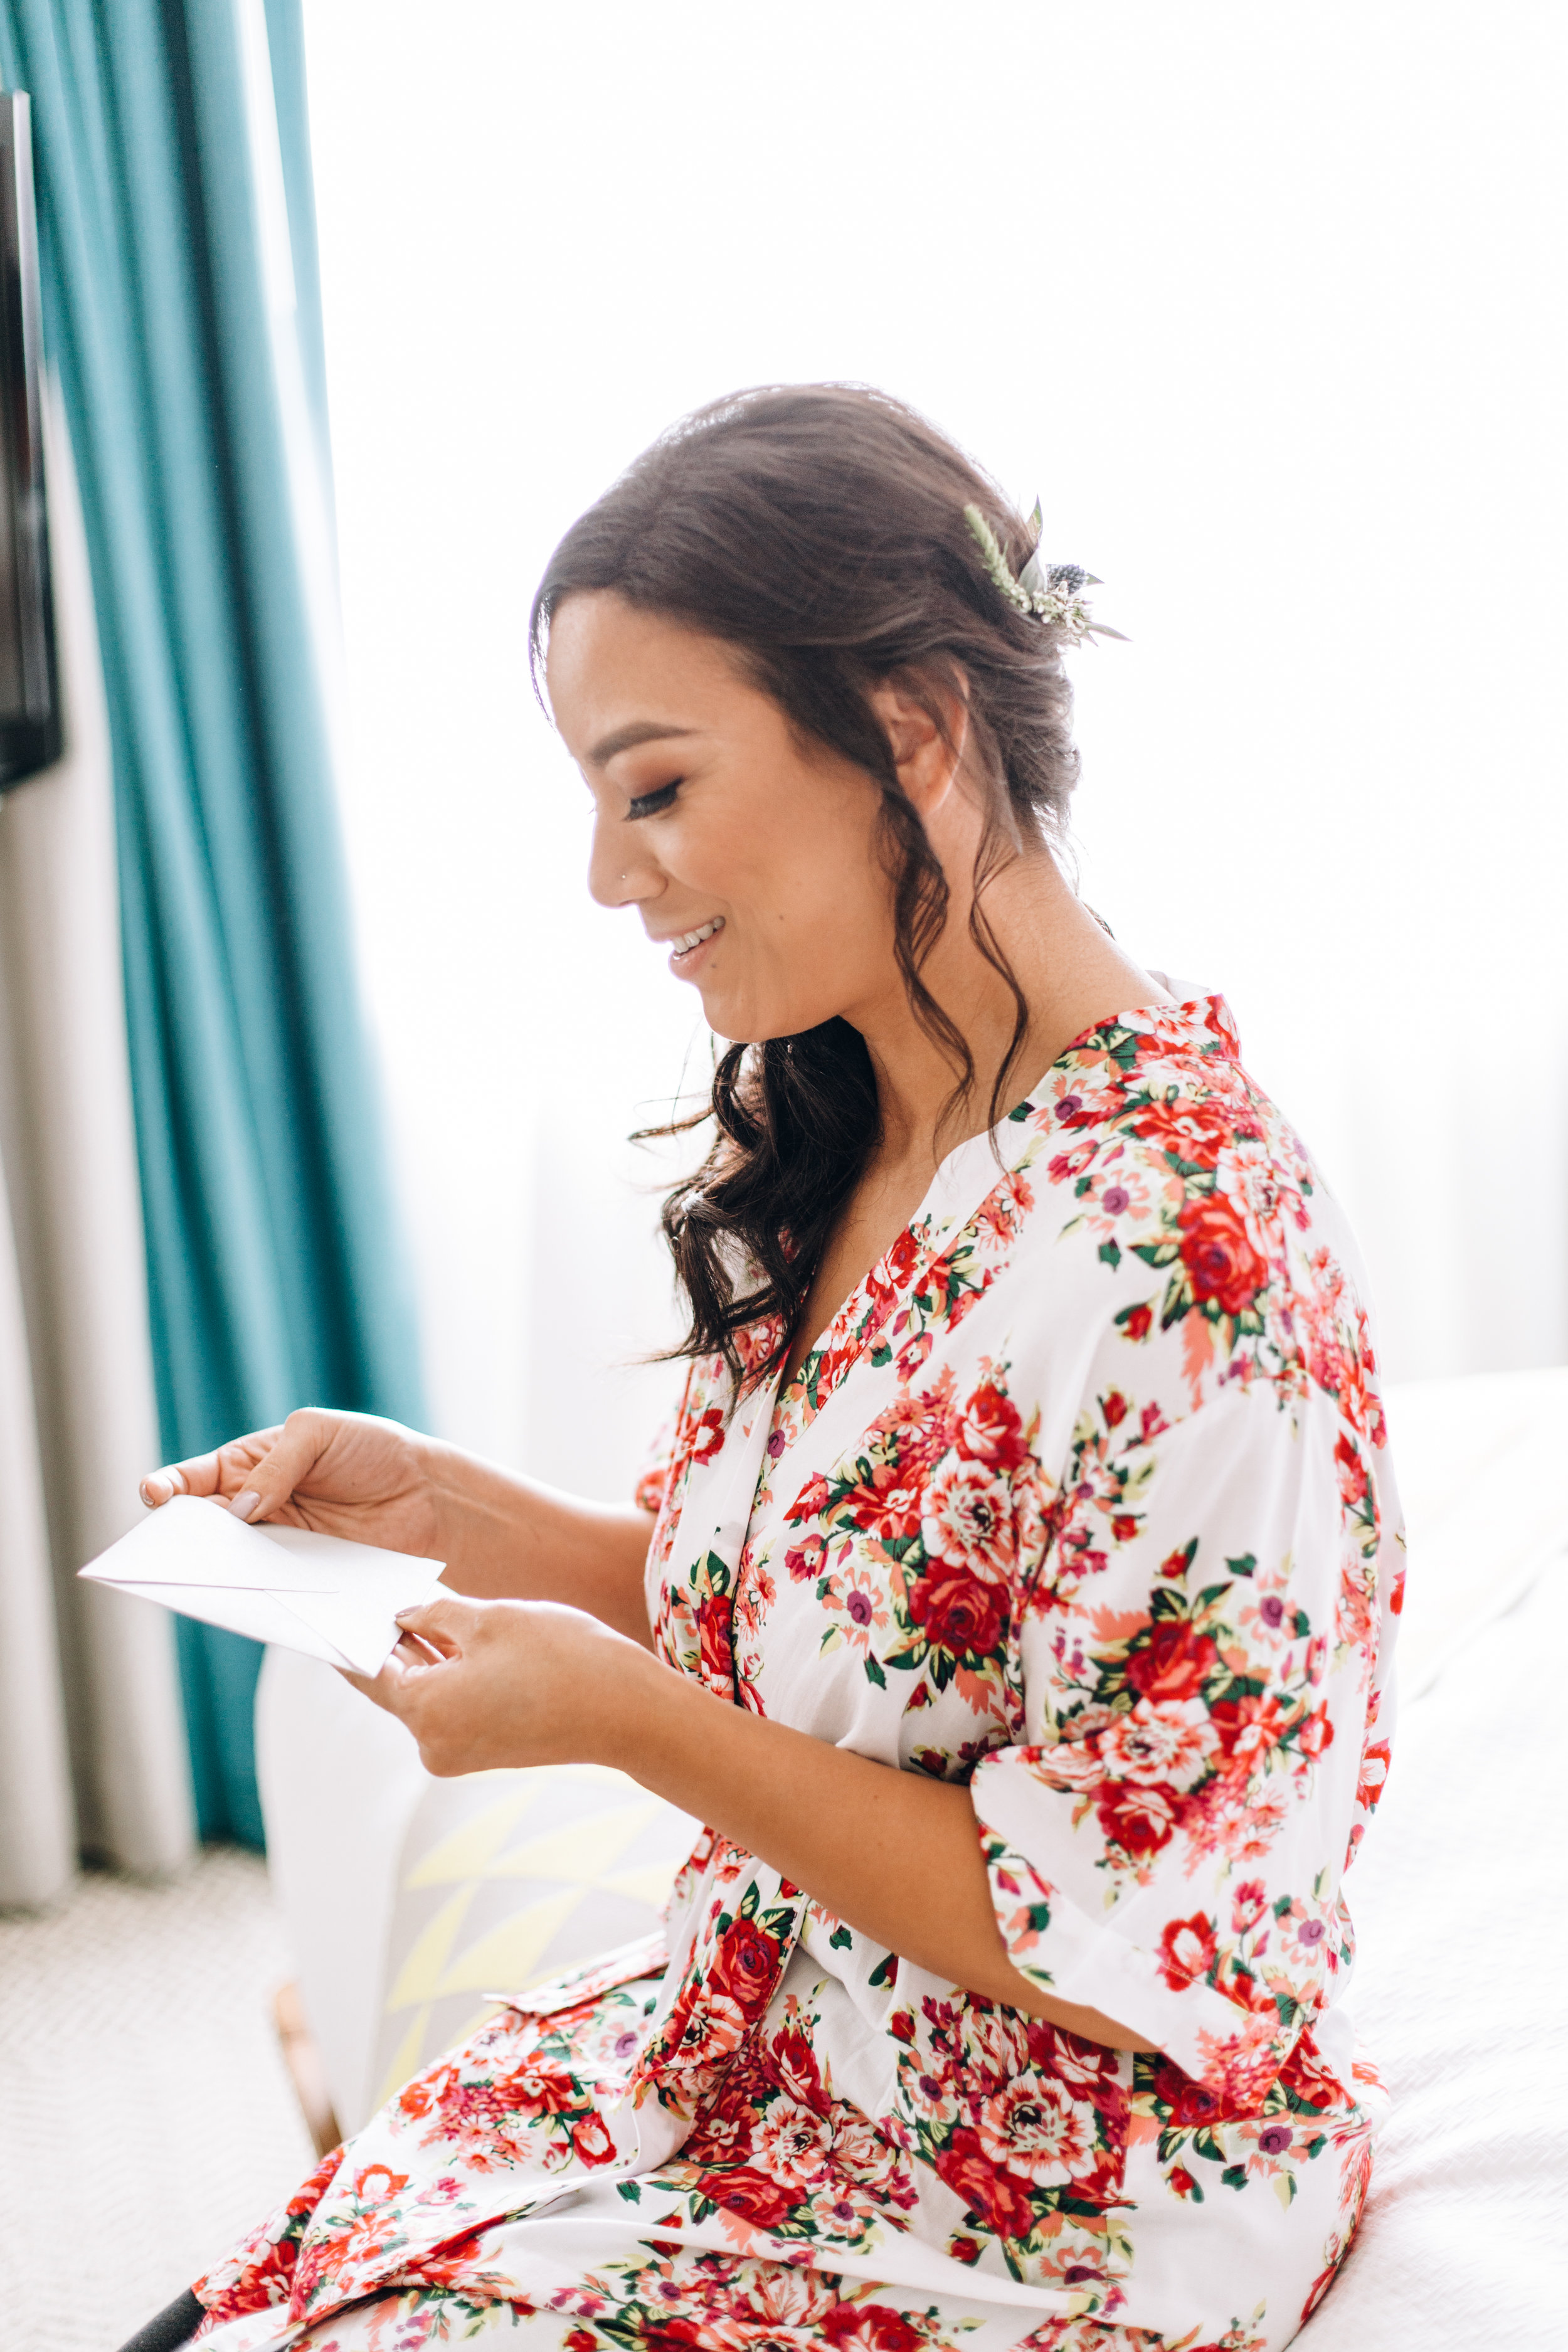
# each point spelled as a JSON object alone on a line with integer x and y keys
{"x": 339, "y": 1781}
{"x": 505, "y": 1879}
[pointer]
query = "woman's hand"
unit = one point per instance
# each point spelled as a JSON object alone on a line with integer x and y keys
{"x": 499, "y": 1536}
{"x": 341, "y": 1474}
{"x": 487, "y": 1683}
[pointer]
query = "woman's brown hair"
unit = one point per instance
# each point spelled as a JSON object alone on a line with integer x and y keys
{"x": 819, "y": 530}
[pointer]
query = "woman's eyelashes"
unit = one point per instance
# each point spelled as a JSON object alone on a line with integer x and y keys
{"x": 653, "y": 803}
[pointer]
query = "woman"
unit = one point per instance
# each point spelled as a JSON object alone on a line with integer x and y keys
{"x": 1020, "y": 1572}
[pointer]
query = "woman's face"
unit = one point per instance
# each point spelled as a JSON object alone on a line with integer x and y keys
{"x": 752, "y": 860}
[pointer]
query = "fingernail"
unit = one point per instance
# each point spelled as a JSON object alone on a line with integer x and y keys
{"x": 243, "y": 1505}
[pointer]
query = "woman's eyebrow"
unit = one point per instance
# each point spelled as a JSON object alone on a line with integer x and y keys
{"x": 641, "y": 730}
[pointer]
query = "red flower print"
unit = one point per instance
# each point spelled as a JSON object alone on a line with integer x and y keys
{"x": 793, "y": 2063}
{"x": 811, "y": 1501}
{"x": 967, "y": 1515}
{"x": 792, "y": 2143}
{"x": 1114, "y": 1407}
{"x": 1174, "y": 1663}
{"x": 1249, "y": 1905}
{"x": 745, "y": 1966}
{"x": 1218, "y": 1255}
{"x": 1352, "y": 1470}
{"x": 1138, "y": 1321}
{"x": 1188, "y": 2103}
{"x": 762, "y": 2202}
{"x": 1316, "y": 1734}
{"x": 1305, "y": 2073}
{"x": 990, "y": 1431}
{"x": 1032, "y": 2126}
{"x": 999, "y": 2200}
{"x": 918, "y": 1429}
{"x": 713, "y": 1630}
{"x": 1160, "y": 1742}
{"x": 1182, "y": 2181}
{"x": 386, "y": 2184}
{"x": 1139, "y": 1819}
{"x": 591, "y": 2140}
{"x": 805, "y": 1565}
{"x": 1085, "y": 2066}
{"x": 959, "y": 1614}
{"x": 1196, "y": 1130}
{"x": 782, "y": 2299}
{"x": 1373, "y": 1773}
{"x": 887, "y": 1506}
{"x": 675, "y": 2333}
{"x": 1187, "y": 1950}
{"x": 902, "y": 1259}
{"x": 707, "y": 1436}
{"x": 1066, "y": 1166}
{"x": 868, "y": 2327}
{"x": 1249, "y": 1728}
{"x": 964, "y": 2250}
{"x": 416, "y": 2098}
{"x": 704, "y": 2028}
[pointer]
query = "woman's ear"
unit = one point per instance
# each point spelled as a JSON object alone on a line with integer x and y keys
{"x": 927, "y": 727}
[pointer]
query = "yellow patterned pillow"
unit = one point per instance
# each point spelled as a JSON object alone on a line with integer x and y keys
{"x": 505, "y": 1879}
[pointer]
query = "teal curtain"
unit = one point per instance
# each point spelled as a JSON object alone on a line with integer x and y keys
{"x": 271, "y": 1257}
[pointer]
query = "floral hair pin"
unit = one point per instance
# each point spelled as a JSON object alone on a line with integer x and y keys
{"x": 1052, "y": 594}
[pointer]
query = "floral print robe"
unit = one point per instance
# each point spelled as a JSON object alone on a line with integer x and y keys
{"x": 1083, "y": 1501}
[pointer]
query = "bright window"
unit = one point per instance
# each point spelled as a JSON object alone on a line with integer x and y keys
{"x": 1264, "y": 302}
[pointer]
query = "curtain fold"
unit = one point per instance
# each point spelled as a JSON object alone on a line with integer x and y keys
{"x": 78, "y": 1417}
{"x": 174, "y": 195}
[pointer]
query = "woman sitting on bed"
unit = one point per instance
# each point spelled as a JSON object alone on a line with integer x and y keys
{"x": 1015, "y": 1596}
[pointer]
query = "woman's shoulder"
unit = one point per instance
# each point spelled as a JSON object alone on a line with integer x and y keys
{"x": 1176, "y": 1213}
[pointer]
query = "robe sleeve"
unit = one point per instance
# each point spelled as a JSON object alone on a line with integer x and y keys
{"x": 1202, "y": 1654}
{"x": 654, "y": 1469}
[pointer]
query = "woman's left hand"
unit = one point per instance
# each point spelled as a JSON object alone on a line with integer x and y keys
{"x": 487, "y": 1683}
{"x": 482, "y": 1683}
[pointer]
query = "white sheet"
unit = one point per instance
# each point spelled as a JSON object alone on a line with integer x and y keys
{"x": 1460, "y": 1901}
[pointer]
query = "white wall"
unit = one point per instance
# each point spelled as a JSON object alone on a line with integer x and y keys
{"x": 1265, "y": 302}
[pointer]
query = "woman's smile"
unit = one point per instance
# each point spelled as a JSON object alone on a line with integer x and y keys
{"x": 686, "y": 947}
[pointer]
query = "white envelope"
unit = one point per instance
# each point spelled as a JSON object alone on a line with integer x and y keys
{"x": 332, "y": 1599}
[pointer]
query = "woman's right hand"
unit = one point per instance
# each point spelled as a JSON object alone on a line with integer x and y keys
{"x": 342, "y": 1474}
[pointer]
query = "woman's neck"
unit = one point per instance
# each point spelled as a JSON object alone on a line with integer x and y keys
{"x": 1072, "y": 974}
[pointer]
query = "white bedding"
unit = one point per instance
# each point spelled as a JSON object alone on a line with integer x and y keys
{"x": 1461, "y": 1908}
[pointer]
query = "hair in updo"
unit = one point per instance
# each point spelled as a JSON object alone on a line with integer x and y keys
{"x": 819, "y": 530}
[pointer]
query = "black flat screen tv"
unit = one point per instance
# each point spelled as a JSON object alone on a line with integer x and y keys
{"x": 29, "y": 687}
